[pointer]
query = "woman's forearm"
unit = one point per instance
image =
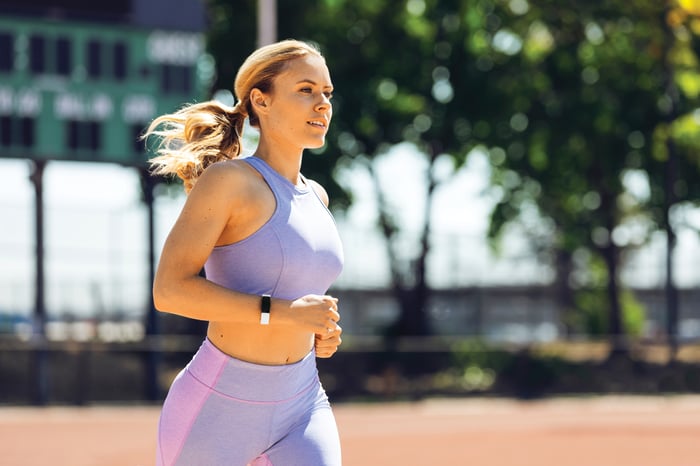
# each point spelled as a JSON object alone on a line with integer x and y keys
{"x": 198, "y": 298}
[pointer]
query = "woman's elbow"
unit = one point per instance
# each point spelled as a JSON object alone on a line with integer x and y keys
{"x": 163, "y": 298}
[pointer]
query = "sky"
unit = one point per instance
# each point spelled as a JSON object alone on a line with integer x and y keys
{"x": 96, "y": 226}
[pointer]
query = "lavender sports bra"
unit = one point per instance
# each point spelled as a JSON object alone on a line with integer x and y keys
{"x": 295, "y": 253}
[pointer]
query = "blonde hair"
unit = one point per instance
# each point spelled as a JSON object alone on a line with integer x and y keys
{"x": 201, "y": 134}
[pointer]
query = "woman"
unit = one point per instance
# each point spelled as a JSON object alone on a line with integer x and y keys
{"x": 270, "y": 250}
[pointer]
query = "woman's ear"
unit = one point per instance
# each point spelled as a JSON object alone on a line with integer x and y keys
{"x": 259, "y": 100}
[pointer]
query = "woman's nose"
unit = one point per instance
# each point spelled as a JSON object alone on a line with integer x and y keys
{"x": 324, "y": 103}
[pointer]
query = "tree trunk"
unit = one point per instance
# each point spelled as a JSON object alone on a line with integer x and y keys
{"x": 562, "y": 288}
{"x": 615, "y": 328}
{"x": 611, "y": 255}
{"x": 414, "y": 301}
{"x": 413, "y": 320}
{"x": 410, "y": 286}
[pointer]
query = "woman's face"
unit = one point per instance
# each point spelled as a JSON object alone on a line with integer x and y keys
{"x": 298, "y": 109}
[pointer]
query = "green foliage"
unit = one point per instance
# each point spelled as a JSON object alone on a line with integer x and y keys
{"x": 476, "y": 353}
{"x": 478, "y": 366}
{"x": 579, "y": 122}
{"x": 593, "y": 311}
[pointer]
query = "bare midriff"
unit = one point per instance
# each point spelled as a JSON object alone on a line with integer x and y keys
{"x": 260, "y": 344}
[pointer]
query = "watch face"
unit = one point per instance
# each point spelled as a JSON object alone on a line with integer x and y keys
{"x": 265, "y": 309}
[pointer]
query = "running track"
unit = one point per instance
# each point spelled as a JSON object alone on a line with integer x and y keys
{"x": 602, "y": 431}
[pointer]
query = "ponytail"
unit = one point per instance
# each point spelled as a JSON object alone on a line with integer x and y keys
{"x": 195, "y": 137}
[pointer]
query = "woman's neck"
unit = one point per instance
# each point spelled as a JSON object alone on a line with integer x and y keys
{"x": 286, "y": 163}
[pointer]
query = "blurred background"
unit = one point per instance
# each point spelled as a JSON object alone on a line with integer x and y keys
{"x": 516, "y": 184}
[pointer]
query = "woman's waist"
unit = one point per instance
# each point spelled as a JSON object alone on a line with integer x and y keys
{"x": 258, "y": 344}
{"x": 245, "y": 379}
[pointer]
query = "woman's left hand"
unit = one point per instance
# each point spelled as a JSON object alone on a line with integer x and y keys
{"x": 327, "y": 344}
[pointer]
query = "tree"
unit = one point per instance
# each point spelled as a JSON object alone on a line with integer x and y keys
{"x": 677, "y": 145}
{"x": 593, "y": 111}
{"x": 394, "y": 65}
{"x": 565, "y": 98}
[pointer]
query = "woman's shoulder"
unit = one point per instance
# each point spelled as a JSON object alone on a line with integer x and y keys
{"x": 228, "y": 177}
{"x": 319, "y": 190}
{"x": 230, "y": 170}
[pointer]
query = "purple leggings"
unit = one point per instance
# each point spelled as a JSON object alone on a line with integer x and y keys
{"x": 224, "y": 411}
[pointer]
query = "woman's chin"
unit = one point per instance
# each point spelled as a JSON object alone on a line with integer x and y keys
{"x": 317, "y": 144}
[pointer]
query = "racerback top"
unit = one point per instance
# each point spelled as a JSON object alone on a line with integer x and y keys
{"x": 295, "y": 253}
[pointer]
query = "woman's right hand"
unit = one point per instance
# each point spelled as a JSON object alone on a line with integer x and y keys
{"x": 317, "y": 314}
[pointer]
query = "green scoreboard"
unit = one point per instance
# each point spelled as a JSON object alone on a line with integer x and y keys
{"x": 72, "y": 90}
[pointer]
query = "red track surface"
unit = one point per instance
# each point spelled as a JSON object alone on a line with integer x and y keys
{"x": 608, "y": 431}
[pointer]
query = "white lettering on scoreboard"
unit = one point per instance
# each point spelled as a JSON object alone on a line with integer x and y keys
{"x": 138, "y": 108}
{"x": 28, "y": 102}
{"x": 69, "y": 106}
{"x": 175, "y": 48}
{"x": 23, "y": 102}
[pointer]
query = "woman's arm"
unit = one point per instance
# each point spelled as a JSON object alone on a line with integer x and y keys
{"x": 219, "y": 205}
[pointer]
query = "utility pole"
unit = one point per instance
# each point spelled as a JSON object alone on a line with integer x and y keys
{"x": 267, "y": 22}
{"x": 40, "y": 360}
{"x": 151, "y": 353}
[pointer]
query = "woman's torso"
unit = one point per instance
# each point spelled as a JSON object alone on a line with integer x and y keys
{"x": 297, "y": 251}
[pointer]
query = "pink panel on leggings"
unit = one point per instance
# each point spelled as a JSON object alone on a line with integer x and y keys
{"x": 189, "y": 397}
{"x": 261, "y": 460}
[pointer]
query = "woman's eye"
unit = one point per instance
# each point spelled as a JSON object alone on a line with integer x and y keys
{"x": 329, "y": 95}
{"x": 306, "y": 90}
